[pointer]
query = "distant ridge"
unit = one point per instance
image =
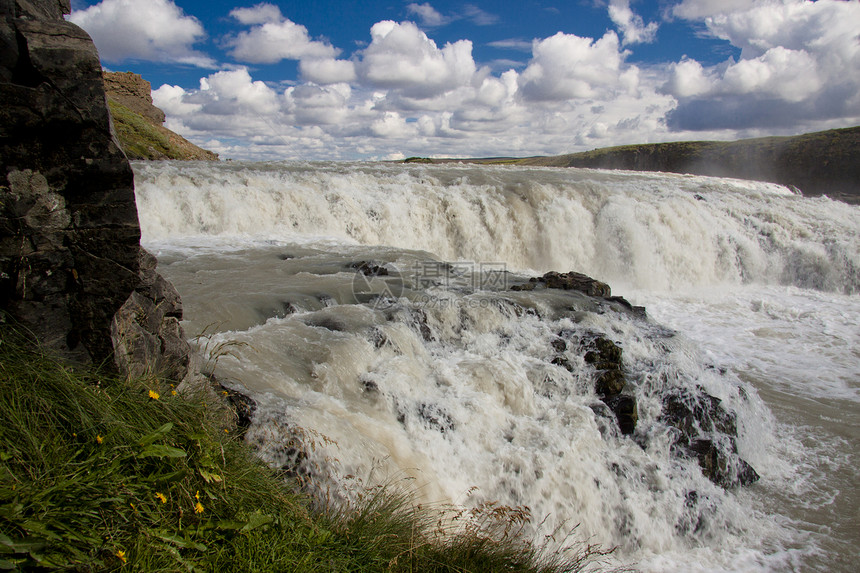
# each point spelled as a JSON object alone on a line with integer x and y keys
{"x": 821, "y": 163}
{"x": 138, "y": 123}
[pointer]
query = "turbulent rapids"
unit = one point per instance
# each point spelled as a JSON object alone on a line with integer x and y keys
{"x": 386, "y": 314}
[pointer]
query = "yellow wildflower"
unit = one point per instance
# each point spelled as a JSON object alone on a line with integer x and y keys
{"x": 197, "y": 495}
{"x": 153, "y": 395}
{"x": 198, "y": 507}
{"x": 99, "y": 439}
{"x": 121, "y": 554}
{"x": 161, "y": 497}
{"x": 173, "y": 392}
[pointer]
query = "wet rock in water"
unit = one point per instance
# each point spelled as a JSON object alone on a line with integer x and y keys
{"x": 436, "y": 417}
{"x": 327, "y": 322}
{"x": 378, "y": 337}
{"x": 575, "y": 281}
{"x": 625, "y": 410}
{"x": 693, "y": 414}
{"x": 418, "y": 318}
{"x": 708, "y": 431}
{"x": 606, "y": 357}
{"x": 610, "y": 383}
{"x": 289, "y": 308}
{"x": 720, "y": 468}
{"x": 635, "y": 310}
{"x": 603, "y": 353}
{"x": 326, "y": 299}
{"x": 559, "y": 344}
{"x": 368, "y": 385}
{"x": 567, "y": 281}
{"x": 243, "y": 405}
{"x": 369, "y": 268}
{"x": 563, "y": 362}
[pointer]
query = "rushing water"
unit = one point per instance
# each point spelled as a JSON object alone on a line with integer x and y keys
{"x": 437, "y": 372}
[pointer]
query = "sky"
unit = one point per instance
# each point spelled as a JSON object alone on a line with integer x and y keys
{"x": 389, "y": 79}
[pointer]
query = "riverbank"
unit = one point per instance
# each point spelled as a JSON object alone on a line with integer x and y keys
{"x": 100, "y": 474}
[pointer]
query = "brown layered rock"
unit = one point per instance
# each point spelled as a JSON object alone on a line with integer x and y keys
{"x": 135, "y": 93}
{"x": 70, "y": 254}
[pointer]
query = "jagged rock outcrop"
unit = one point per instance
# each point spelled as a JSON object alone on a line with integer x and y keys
{"x": 70, "y": 254}
{"x": 138, "y": 122}
{"x": 146, "y": 331}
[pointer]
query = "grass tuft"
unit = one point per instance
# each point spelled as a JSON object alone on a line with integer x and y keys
{"x": 102, "y": 474}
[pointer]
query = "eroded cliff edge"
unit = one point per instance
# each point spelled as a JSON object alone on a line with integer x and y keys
{"x": 71, "y": 267}
{"x": 138, "y": 123}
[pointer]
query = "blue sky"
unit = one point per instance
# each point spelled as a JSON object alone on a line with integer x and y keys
{"x": 387, "y": 79}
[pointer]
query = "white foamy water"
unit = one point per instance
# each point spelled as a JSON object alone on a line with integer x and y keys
{"x": 458, "y": 383}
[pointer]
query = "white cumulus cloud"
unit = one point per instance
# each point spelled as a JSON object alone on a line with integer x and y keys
{"x": 427, "y": 14}
{"x": 632, "y": 26}
{"x": 274, "y": 38}
{"x": 260, "y": 14}
{"x": 796, "y": 68}
{"x": 566, "y": 66}
{"x": 317, "y": 105}
{"x": 699, "y": 9}
{"x": 799, "y": 62}
{"x": 327, "y": 70}
{"x": 235, "y": 90}
{"x": 155, "y": 30}
{"x": 402, "y": 57}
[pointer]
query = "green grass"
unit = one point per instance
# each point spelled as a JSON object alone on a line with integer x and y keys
{"x": 98, "y": 474}
{"x": 139, "y": 138}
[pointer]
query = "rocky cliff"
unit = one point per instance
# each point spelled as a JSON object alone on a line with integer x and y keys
{"x": 70, "y": 255}
{"x": 138, "y": 122}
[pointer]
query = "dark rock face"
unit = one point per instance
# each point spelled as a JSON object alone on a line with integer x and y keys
{"x": 69, "y": 235}
{"x": 70, "y": 254}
